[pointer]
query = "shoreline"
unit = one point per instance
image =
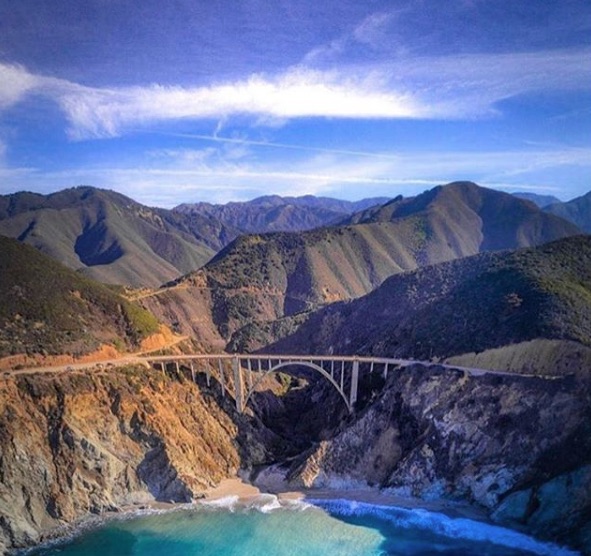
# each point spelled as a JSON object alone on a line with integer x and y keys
{"x": 246, "y": 493}
{"x": 233, "y": 492}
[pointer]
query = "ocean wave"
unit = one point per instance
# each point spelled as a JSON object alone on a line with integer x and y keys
{"x": 225, "y": 503}
{"x": 441, "y": 524}
{"x": 264, "y": 503}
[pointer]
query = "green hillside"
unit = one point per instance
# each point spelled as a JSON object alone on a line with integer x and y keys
{"x": 111, "y": 238}
{"x": 475, "y": 304}
{"x": 258, "y": 279}
{"x": 577, "y": 211}
{"x": 47, "y": 308}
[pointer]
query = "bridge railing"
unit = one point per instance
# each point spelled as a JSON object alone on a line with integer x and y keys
{"x": 342, "y": 371}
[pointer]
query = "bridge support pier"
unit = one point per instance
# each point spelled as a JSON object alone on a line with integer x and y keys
{"x": 207, "y": 373}
{"x": 237, "y": 383}
{"x": 354, "y": 384}
{"x": 222, "y": 377}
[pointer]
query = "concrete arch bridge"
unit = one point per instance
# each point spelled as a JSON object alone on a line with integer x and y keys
{"x": 240, "y": 374}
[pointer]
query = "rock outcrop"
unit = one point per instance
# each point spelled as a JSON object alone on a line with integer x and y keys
{"x": 79, "y": 443}
{"x": 518, "y": 446}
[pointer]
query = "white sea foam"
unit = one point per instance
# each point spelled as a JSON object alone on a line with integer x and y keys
{"x": 265, "y": 503}
{"x": 296, "y": 504}
{"x": 457, "y": 528}
{"x": 225, "y": 503}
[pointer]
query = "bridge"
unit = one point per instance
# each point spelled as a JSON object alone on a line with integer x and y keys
{"x": 239, "y": 374}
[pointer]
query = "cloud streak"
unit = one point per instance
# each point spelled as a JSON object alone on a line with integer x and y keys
{"x": 446, "y": 87}
{"x": 170, "y": 177}
{"x": 452, "y": 87}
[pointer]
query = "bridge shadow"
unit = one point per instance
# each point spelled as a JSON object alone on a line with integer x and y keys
{"x": 289, "y": 413}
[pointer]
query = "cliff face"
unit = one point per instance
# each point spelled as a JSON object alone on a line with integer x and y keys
{"x": 518, "y": 446}
{"x": 77, "y": 443}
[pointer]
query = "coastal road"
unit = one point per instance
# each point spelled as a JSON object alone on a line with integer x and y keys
{"x": 143, "y": 358}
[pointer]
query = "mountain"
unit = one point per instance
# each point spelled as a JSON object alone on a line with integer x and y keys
{"x": 540, "y": 200}
{"x": 261, "y": 278}
{"x": 47, "y": 308}
{"x": 273, "y": 213}
{"x": 577, "y": 211}
{"x": 110, "y": 237}
{"x": 484, "y": 217}
{"x": 533, "y": 303}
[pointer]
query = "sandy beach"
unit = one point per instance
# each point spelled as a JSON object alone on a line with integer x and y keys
{"x": 246, "y": 493}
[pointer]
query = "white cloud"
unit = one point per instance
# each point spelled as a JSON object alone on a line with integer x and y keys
{"x": 446, "y": 87}
{"x": 297, "y": 93}
{"x": 15, "y": 83}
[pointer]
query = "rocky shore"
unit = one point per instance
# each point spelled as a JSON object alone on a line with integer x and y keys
{"x": 513, "y": 449}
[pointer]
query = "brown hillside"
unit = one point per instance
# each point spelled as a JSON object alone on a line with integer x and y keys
{"x": 110, "y": 237}
{"x": 262, "y": 278}
{"x": 499, "y": 305}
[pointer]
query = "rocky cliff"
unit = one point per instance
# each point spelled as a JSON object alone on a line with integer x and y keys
{"x": 517, "y": 446}
{"x": 73, "y": 444}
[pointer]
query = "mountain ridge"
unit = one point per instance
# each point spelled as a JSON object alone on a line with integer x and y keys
{"x": 274, "y": 213}
{"x": 490, "y": 300}
{"x": 110, "y": 237}
{"x": 577, "y": 211}
{"x": 265, "y": 277}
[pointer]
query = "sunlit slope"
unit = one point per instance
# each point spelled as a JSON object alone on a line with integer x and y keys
{"x": 474, "y": 215}
{"x": 110, "y": 237}
{"x": 261, "y": 278}
{"x": 47, "y": 308}
{"x": 489, "y": 301}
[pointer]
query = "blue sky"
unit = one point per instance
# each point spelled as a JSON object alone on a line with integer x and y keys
{"x": 206, "y": 100}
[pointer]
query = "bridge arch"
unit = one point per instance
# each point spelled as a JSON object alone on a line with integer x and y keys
{"x": 308, "y": 364}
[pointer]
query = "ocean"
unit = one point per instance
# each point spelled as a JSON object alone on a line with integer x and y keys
{"x": 267, "y": 526}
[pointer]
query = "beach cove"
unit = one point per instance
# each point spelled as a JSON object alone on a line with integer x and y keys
{"x": 239, "y": 518}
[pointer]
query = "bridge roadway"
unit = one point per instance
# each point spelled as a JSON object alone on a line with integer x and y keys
{"x": 240, "y": 374}
{"x": 248, "y": 370}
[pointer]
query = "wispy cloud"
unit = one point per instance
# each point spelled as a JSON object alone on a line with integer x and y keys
{"x": 446, "y": 87}
{"x": 297, "y": 93}
{"x": 15, "y": 83}
{"x": 169, "y": 177}
{"x": 449, "y": 87}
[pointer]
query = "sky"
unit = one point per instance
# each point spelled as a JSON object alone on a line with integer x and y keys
{"x": 225, "y": 100}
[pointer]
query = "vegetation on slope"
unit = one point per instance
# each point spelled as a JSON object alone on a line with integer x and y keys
{"x": 577, "y": 211}
{"x": 47, "y": 308}
{"x": 496, "y": 220}
{"x": 110, "y": 237}
{"x": 262, "y": 278}
{"x": 469, "y": 305}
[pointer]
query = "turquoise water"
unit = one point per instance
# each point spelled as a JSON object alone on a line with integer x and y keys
{"x": 336, "y": 527}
